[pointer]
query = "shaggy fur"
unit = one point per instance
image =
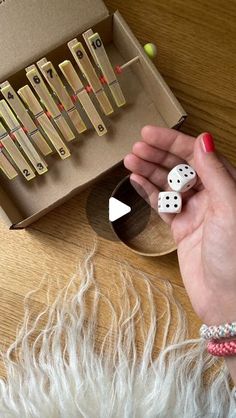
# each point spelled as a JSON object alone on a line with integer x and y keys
{"x": 60, "y": 370}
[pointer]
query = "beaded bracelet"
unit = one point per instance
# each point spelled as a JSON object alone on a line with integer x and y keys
{"x": 224, "y": 349}
{"x": 217, "y": 332}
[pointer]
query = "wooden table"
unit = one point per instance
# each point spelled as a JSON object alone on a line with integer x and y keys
{"x": 197, "y": 57}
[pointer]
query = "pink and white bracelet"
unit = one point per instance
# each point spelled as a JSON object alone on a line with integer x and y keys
{"x": 220, "y": 340}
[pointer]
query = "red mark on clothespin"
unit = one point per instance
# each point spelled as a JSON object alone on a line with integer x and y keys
{"x": 60, "y": 107}
{"x": 89, "y": 89}
{"x": 118, "y": 69}
{"x": 24, "y": 129}
{"x": 12, "y": 136}
{"x": 48, "y": 114}
{"x": 74, "y": 98}
{"x": 103, "y": 80}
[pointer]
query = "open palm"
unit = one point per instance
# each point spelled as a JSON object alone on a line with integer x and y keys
{"x": 205, "y": 230}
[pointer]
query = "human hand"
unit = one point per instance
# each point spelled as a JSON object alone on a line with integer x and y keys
{"x": 205, "y": 230}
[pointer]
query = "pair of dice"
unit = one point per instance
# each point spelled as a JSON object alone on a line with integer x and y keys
{"x": 180, "y": 179}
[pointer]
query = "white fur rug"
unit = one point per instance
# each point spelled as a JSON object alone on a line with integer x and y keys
{"x": 60, "y": 371}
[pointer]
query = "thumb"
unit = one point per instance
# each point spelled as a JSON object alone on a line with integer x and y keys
{"x": 211, "y": 170}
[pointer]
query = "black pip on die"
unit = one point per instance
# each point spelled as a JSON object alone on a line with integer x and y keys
{"x": 169, "y": 202}
{"x": 182, "y": 177}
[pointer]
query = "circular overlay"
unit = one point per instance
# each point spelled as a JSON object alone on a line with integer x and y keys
{"x": 97, "y": 207}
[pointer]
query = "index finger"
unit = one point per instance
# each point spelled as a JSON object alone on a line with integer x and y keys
{"x": 170, "y": 140}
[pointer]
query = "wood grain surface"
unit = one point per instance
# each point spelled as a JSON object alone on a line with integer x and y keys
{"x": 197, "y": 57}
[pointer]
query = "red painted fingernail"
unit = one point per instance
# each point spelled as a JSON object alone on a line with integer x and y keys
{"x": 208, "y": 143}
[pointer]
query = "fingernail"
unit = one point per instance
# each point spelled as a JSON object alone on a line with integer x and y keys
{"x": 208, "y": 143}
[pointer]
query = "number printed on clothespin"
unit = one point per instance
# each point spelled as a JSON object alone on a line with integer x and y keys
{"x": 87, "y": 69}
{"x": 77, "y": 86}
{"x": 102, "y": 59}
{"x": 33, "y": 104}
{"x": 41, "y": 89}
{"x": 36, "y": 160}
{"x": 51, "y": 75}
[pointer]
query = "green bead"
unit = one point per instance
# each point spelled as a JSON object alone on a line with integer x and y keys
{"x": 151, "y": 50}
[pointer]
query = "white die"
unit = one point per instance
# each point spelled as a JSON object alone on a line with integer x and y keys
{"x": 169, "y": 202}
{"x": 182, "y": 177}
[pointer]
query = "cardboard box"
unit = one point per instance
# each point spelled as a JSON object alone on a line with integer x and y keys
{"x": 30, "y": 30}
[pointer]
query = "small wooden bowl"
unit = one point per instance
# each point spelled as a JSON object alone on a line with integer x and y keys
{"x": 142, "y": 230}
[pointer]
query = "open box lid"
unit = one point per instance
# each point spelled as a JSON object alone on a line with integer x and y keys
{"x": 31, "y": 28}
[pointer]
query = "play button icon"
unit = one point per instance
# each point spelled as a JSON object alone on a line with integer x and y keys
{"x": 117, "y": 209}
